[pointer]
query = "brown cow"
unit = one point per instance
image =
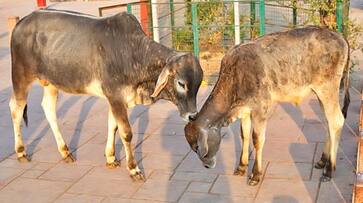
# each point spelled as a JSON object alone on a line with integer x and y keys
{"x": 280, "y": 67}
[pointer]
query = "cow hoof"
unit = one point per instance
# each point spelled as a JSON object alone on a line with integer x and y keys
{"x": 320, "y": 164}
{"x": 113, "y": 164}
{"x": 253, "y": 180}
{"x": 24, "y": 159}
{"x": 137, "y": 175}
{"x": 240, "y": 171}
{"x": 325, "y": 178}
{"x": 69, "y": 159}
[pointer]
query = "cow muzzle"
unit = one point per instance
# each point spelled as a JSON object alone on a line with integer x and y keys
{"x": 209, "y": 163}
{"x": 189, "y": 116}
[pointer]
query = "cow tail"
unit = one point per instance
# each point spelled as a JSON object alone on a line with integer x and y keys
{"x": 25, "y": 115}
{"x": 346, "y": 82}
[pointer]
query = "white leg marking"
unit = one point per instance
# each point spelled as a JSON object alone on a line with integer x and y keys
{"x": 110, "y": 146}
{"x": 49, "y": 106}
{"x": 17, "y": 109}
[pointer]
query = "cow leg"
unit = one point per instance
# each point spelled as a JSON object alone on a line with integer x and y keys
{"x": 245, "y": 136}
{"x": 110, "y": 146}
{"x": 49, "y": 107}
{"x": 335, "y": 119}
{"x": 325, "y": 155}
{"x": 120, "y": 113}
{"x": 17, "y": 105}
{"x": 258, "y": 136}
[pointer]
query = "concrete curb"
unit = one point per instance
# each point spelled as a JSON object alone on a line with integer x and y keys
{"x": 358, "y": 188}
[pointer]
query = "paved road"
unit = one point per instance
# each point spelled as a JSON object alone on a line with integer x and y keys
{"x": 295, "y": 138}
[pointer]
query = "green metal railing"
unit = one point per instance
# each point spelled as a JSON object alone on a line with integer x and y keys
{"x": 186, "y": 26}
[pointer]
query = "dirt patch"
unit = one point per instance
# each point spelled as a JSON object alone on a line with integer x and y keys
{"x": 210, "y": 62}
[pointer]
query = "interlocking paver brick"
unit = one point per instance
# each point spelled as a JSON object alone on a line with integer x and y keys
{"x": 43, "y": 166}
{"x": 160, "y": 161}
{"x": 35, "y": 190}
{"x": 290, "y": 152}
{"x": 124, "y": 200}
{"x": 161, "y": 190}
{"x": 12, "y": 163}
{"x": 32, "y": 173}
{"x": 314, "y": 132}
{"x": 105, "y": 186}
{"x": 65, "y": 172}
{"x": 71, "y": 198}
{"x": 233, "y": 186}
{"x": 170, "y": 129}
{"x": 293, "y": 139}
{"x": 199, "y": 187}
{"x": 328, "y": 192}
{"x": 300, "y": 171}
{"x": 161, "y": 174}
{"x": 194, "y": 176}
{"x": 278, "y": 190}
{"x": 175, "y": 145}
{"x": 190, "y": 197}
{"x": 8, "y": 174}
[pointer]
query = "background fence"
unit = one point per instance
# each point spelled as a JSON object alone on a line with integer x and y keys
{"x": 210, "y": 28}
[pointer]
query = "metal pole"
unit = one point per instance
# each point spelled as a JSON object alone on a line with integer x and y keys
{"x": 237, "y": 34}
{"x": 42, "y": 3}
{"x": 171, "y": 7}
{"x": 195, "y": 30}
{"x": 294, "y": 13}
{"x": 339, "y": 15}
{"x": 129, "y": 9}
{"x": 154, "y": 13}
{"x": 144, "y": 17}
{"x": 252, "y": 18}
{"x": 262, "y": 17}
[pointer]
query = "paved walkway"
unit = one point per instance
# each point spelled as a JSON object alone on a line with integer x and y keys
{"x": 295, "y": 139}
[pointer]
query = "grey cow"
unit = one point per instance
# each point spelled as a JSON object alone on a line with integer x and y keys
{"x": 109, "y": 57}
{"x": 279, "y": 67}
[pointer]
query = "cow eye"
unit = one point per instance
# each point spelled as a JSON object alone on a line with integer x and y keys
{"x": 181, "y": 84}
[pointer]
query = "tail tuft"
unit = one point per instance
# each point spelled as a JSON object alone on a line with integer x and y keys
{"x": 25, "y": 115}
{"x": 346, "y": 81}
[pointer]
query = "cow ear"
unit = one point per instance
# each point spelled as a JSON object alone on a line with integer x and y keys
{"x": 162, "y": 81}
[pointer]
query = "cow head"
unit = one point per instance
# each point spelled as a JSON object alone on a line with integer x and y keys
{"x": 204, "y": 141}
{"x": 179, "y": 81}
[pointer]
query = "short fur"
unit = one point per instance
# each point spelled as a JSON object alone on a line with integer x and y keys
{"x": 107, "y": 57}
{"x": 279, "y": 67}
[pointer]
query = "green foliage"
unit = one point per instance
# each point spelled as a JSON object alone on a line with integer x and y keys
{"x": 215, "y": 21}
{"x": 327, "y": 16}
{"x": 182, "y": 39}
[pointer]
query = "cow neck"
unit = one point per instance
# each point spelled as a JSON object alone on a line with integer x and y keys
{"x": 155, "y": 59}
{"x": 215, "y": 109}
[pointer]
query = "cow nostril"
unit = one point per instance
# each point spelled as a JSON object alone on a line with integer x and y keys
{"x": 206, "y": 166}
{"x": 192, "y": 117}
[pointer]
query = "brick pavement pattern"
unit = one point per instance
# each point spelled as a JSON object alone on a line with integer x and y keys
{"x": 294, "y": 141}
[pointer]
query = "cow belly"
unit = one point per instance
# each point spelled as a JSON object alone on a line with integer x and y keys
{"x": 295, "y": 95}
{"x": 95, "y": 89}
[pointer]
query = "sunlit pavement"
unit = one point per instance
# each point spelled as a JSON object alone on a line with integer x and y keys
{"x": 295, "y": 139}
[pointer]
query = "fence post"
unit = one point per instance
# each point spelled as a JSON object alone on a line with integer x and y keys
{"x": 252, "y": 18}
{"x": 294, "y": 13}
{"x": 154, "y": 13}
{"x": 237, "y": 34}
{"x": 339, "y": 15}
{"x": 171, "y": 7}
{"x": 195, "y": 30}
{"x": 144, "y": 17}
{"x": 129, "y": 9}
{"x": 42, "y": 3}
{"x": 262, "y": 17}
